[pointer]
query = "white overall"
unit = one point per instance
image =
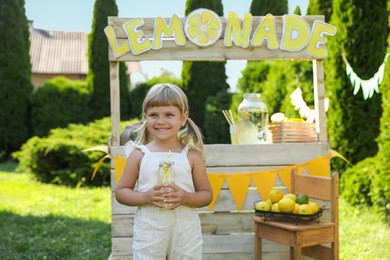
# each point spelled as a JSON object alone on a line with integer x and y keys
{"x": 159, "y": 233}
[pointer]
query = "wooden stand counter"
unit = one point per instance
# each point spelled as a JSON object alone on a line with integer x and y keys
{"x": 228, "y": 233}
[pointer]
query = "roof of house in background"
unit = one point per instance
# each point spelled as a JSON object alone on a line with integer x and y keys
{"x": 60, "y": 52}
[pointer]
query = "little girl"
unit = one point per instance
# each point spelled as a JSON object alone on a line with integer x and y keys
{"x": 160, "y": 231}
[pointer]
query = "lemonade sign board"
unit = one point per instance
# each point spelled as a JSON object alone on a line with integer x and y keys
{"x": 218, "y": 38}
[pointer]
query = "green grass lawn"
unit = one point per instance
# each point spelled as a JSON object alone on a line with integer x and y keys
{"x": 42, "y": 221}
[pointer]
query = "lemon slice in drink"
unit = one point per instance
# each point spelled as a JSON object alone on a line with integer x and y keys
{"x": 203, "y": 27}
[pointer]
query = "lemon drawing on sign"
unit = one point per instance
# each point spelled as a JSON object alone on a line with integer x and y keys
{"x": 203, "y": 27}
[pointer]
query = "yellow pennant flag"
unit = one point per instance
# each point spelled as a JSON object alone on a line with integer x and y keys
{"x": 216, "y": 181}
{"x": 238, "y": 185}
{"x": 285, "y": 175}
{"x": 319, "y": 166}
{"x": 264, "y": 181}
{"x": 98, "y": 165}
{"x": 333, "y": 153}
{"x": 119, "y": 165}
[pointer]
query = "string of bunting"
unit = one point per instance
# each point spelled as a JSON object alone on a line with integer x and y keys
{"x": 368, "y": 86}
{"x": 264, "y": 180}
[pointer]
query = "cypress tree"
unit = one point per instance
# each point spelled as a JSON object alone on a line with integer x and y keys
{"x": 320, "y": 7}
{"x": 381, "y": 191}
{"x": 15, "y": 77}
{"x": 353, "y": 122}
{"x": 274, "y": 7}
{"x": 368, "y": 181}
{"x": 297, "y": 10}
{"x": 99, "y": 73}
{"x": 202, "y": 79}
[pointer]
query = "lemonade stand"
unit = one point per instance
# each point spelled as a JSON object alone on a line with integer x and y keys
{"x": 239, "y": 174}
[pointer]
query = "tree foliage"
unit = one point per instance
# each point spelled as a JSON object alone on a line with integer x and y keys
{"x": 15, "y": 76}
{"x": 99, "y": 71}
{"x": 59, "y": 158}
{"x": 263, "y": 7}
{"x": 320, "y": 7}
{"x": 202, "y": 79}
{"x": 353, "y": 122}
{"x": 368, "y": 182}
{"x": 57, "y": 103}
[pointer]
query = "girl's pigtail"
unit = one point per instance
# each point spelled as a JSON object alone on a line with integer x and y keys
{"x": 192, "y": 136}
{"x": 143, "y": 135}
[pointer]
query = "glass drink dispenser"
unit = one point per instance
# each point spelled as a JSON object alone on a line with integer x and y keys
{"x": 252, "y": 120}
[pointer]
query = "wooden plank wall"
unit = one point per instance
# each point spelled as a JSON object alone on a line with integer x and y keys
{"x": 227, "y": 233}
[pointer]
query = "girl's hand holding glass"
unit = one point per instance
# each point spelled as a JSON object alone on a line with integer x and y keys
{"x": 176, "y": 197}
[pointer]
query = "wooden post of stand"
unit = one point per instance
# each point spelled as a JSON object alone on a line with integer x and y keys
{"x": 115, "y": 103}
{"x": 319, "y": 99}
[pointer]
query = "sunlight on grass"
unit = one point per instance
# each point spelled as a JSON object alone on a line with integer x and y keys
{"x": 21, "y": 194}
{"x": 50, "y": 221}
{"x": 43, "y": 221}
{"x": 362, "y": 234}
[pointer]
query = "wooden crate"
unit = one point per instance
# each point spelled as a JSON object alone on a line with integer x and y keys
{"x": 292, "y": 132}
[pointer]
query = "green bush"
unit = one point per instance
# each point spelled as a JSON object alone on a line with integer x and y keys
{"x": 380, "y": 190}
{"x": 60, "y": 159}
{"x": 57, "y": 103}
{"x": 368, "y": 183}
{"x": 355, "y": 182}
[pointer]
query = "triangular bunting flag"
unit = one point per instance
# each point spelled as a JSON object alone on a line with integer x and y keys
{"x": 319, "y": 166}
{"x": 119, "y": 165}
{"x": 238, "y": 185}
{"x": 216, "y": 181}
{"x": 299, "y": 168}
{"x": 285, "y": 175}
{"x": 333, "y": 153}
{"x": 264, "y": 181}
{"x": 98, "y": 165}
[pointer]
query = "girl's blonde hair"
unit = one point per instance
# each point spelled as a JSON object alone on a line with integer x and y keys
{"x": 166, "y": 94}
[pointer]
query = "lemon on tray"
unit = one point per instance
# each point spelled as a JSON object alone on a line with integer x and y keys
{"x": 263, "y": 205}
{"x": 275, "y": 195}
{"x": 286, "y": 205}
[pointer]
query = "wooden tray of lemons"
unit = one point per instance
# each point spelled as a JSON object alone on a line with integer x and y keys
{"x": 290, "y": 206}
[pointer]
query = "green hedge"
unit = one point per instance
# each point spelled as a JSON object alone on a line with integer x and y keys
{"x": 368, "y": 183}
{"x": 60, "y": 159}
{"x": 356, "y": 182}
{"x": 57, "y": 103}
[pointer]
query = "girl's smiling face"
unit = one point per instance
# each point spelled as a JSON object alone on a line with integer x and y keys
{"x": 164, "y": 122}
